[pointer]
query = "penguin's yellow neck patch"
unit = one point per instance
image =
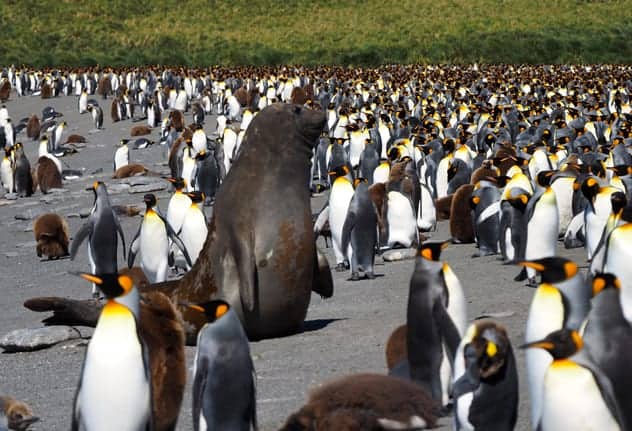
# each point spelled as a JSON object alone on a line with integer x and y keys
{"x": 491, "y": 349}
{"x": 563, "y": 364}
{"x": 114, "y": 310}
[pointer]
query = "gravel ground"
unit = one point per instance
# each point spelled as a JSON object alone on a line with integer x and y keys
{"x": 345, "y": 334}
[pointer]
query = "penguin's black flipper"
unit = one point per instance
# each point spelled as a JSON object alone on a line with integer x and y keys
{"x": 522, "y": 275}
{"x": 323, "y": 217}
{"x": 347, "y": 227}
{"x": 471, "y": 379}
{"x": 449, "y": 332}
{"x": 171, "y": 234}
{"x": 252, "y": 408}
{"x": 119, "y": 229}
{"x": 322, "y": 283}
{"x": 199, "y": 383}
{"x": 79, "y": 237}
{"x": 133, "y": 248}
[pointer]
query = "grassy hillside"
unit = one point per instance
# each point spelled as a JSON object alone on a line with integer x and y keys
{"x": 117, "y": 32}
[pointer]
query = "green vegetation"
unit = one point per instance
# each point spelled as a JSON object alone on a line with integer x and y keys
{"x": 255, "y": 32}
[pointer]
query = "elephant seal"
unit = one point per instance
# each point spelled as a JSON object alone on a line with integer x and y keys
{"x": 260, "y": 253}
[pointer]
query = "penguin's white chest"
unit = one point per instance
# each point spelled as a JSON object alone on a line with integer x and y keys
{"x": 154, "y": 245}
{"x": 402, "y": 224}
{"x": 572, "y": 400}
{"x": 194, "y": 232}
{"x": 115, "y": 392}
{"x": 341, "y": 194}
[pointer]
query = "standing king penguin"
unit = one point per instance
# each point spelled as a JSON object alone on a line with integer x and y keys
{"x": 152, "y": 241}
{"x": 101, "y": 230}
{"x": 114, "y": 391}
{"x": 224, "y": 392}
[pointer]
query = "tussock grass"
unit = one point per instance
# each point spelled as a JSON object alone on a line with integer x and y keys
{"x": 116, "y": 32}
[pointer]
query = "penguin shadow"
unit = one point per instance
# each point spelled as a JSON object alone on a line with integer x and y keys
{"x": 318, "y": 324}
{"x": 54, "y": 259}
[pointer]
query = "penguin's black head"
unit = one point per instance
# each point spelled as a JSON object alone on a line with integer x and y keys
{"x": 124, "y": 141}
{"x": 196, "y": 196}
{"x": 590, "y": 188}
{"x": 518, "y": 198}
{"x": 553, "y": 269}
{"x": 150, "y": 200}
{"x": 179, "y": 183}
{"x": 213, "y": 310}
{"x": 393, "y": 153}
{"x": 618, "y": 202}
{"x": 95, "y": 186}
{"x": 339, "y": 171}
{"x": 560, "y": 344}
{"x": 604, "y": 280}
{"x": 112, "y": 285}
{"x": 432, "y": 250}
{"x": 622, "y": 170}
{"x": 544, "y": 178}
{"x": 359, "y": 180}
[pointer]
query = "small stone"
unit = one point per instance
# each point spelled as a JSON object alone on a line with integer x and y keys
{"x": 117, "y": 188}
{"x": 11, "y": 196}
{"x": 27, "y": 340}
{"x": 399, "y": 254}
{"x": 10, "y": 254}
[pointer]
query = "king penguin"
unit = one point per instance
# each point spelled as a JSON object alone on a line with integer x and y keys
{"x": 576, "y": 395}
{"x": 360, "y": 231}
{"x": 114, "y": 391}
{"x": 485, "y": 386}
{"x": 224, "y": 390}
{"x": 340, "y": 196}
{"x": 152, "y": 242}
{"x": 121, "y": 155}
{"x": 101, "y": 230}
{"x": 194, "y": 226}
{"x": 560, "y": 301}
{"x": 542, "y": 221}
{"x": 608, "y": 340}
{"x": 433, "y": 330}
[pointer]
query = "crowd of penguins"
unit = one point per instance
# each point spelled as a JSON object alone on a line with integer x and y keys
{"x": 516, "y": 157}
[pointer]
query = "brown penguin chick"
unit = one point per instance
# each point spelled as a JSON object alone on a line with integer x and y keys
{"x": 242, "y": 96}
{"x": 33, "y": 127}
{"x": 298, "y": 96}
{"x": 131, "y": 170}
{"x": 396, "y": 348}
{"x": 5, "y": 90}
{"x": 114, "y": 110}
{"x": 76, "y": 139}
{"x": 162, "y": 331}
{"x": 486, "y": 170}
{"x": 126, "y": 210}
{"x": 51, "y": 234}
{"x": 46, "y": 91}
{"x": 461, "y": 226}
{"x": 377, "y": 192}
{"x": 104, "y": 88}
{"x": 48, "y": 176}
{"x": 140, "y": 131}
{"x": 18, "y": 413}
{"x": 443, "y": 206}
{"x": 365, "y": 402}
{"x": 177, "y": 120}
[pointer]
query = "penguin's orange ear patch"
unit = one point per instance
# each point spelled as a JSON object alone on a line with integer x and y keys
{"x": 221, "y": 310}
{"x": 125, "y": 282}
{"x": 598, "y": 285}
{"x": 426, "y": 253}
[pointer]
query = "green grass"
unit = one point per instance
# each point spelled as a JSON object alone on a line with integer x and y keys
{"x": 198, "y": 33}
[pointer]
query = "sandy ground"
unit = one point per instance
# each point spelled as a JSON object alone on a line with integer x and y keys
{"x": 345, "y": 334}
